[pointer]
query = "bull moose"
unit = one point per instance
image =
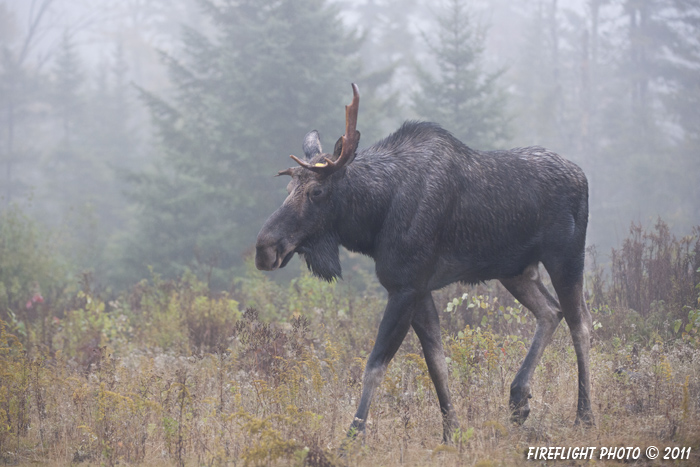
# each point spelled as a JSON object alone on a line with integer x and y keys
{"x": 431, "y": 211}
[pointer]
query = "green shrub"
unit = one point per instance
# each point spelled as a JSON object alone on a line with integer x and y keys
{"x": 32, "y": 274}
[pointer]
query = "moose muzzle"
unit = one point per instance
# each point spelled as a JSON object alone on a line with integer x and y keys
{"x": 272, "y": 253}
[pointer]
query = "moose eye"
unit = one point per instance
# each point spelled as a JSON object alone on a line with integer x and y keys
{"x": 316, "y": 192}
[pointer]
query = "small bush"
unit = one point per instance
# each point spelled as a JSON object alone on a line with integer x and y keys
{"x": 32, "y": 275}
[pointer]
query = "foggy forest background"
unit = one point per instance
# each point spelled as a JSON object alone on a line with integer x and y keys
{"x": 141, "y": 137}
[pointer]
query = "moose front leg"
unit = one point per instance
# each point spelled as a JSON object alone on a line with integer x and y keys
{"x": 426, "y": 323}
{"x": 392, "y": 330}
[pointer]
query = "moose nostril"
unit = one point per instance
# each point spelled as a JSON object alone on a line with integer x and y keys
{"x": 265, "y": 257}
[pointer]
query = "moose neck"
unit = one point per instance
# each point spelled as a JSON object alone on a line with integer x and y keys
{"x": 363, "y": 201}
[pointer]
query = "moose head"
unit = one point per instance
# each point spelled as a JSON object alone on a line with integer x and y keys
{"x": 303, "y": 224}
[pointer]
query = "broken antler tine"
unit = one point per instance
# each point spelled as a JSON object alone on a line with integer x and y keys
{"x": 288, "y": 171}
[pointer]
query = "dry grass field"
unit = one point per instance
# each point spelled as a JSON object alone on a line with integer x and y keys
{"x": 173, "y": 374}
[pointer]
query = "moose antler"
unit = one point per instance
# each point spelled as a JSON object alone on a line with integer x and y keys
{"x": 350, "y": 140}
{"x": 285, "y": 172}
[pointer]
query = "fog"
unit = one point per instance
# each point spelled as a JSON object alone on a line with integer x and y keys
{"x": 141, "y": 136}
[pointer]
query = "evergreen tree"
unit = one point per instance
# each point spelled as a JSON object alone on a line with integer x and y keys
{"x": 112, "y": 137}
{"x": 83, "y": 171}
{"x": 602, "y": 86}
{"x": 66, "y": 165}
{"x": 73, "y": 176}
{"x": 69, "y": 79}
{"x": 387, "y": 49}
{"x": 459, "y": 94}
{"x": 653, "y": 62}
{"x": 682, "y": 99}
{"x": 243, "y": 101}
{"x": 539, "y": 97}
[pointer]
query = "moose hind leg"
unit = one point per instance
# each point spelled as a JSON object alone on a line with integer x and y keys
{"x": 426, "y": 323}
{"x": 392, "y": 330}
{"x": 580, "y": 324}
{"x": 529, "y": 290}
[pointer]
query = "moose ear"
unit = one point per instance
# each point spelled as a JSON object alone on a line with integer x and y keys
{"x": 339, "y": 146}
{"x": 312, "y": 144}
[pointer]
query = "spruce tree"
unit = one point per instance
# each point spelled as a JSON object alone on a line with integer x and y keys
{"x": 82, "y": 180}
{"x": 75, "y": 178}
{"x": 614, "y": 87}
{"x": 66, "y": 164}
{"x": 244, "y": 99}
{"x": 648, "y": 133}
{"x": 458, "y": 93}
{"x": 681, "y": 98}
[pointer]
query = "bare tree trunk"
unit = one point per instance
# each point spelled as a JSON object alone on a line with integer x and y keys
{"x": 38, "y": 9}
{"x": 585, "y": 141}
{"x": 10, "y": 148}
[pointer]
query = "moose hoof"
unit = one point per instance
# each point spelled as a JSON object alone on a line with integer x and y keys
{"x": 519, "y": 405}
{"x": 449, "y": 426}
{"x": 357, "y": 428}
{"x": 519, "y": 415}
{"x": 585, "y": 420}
